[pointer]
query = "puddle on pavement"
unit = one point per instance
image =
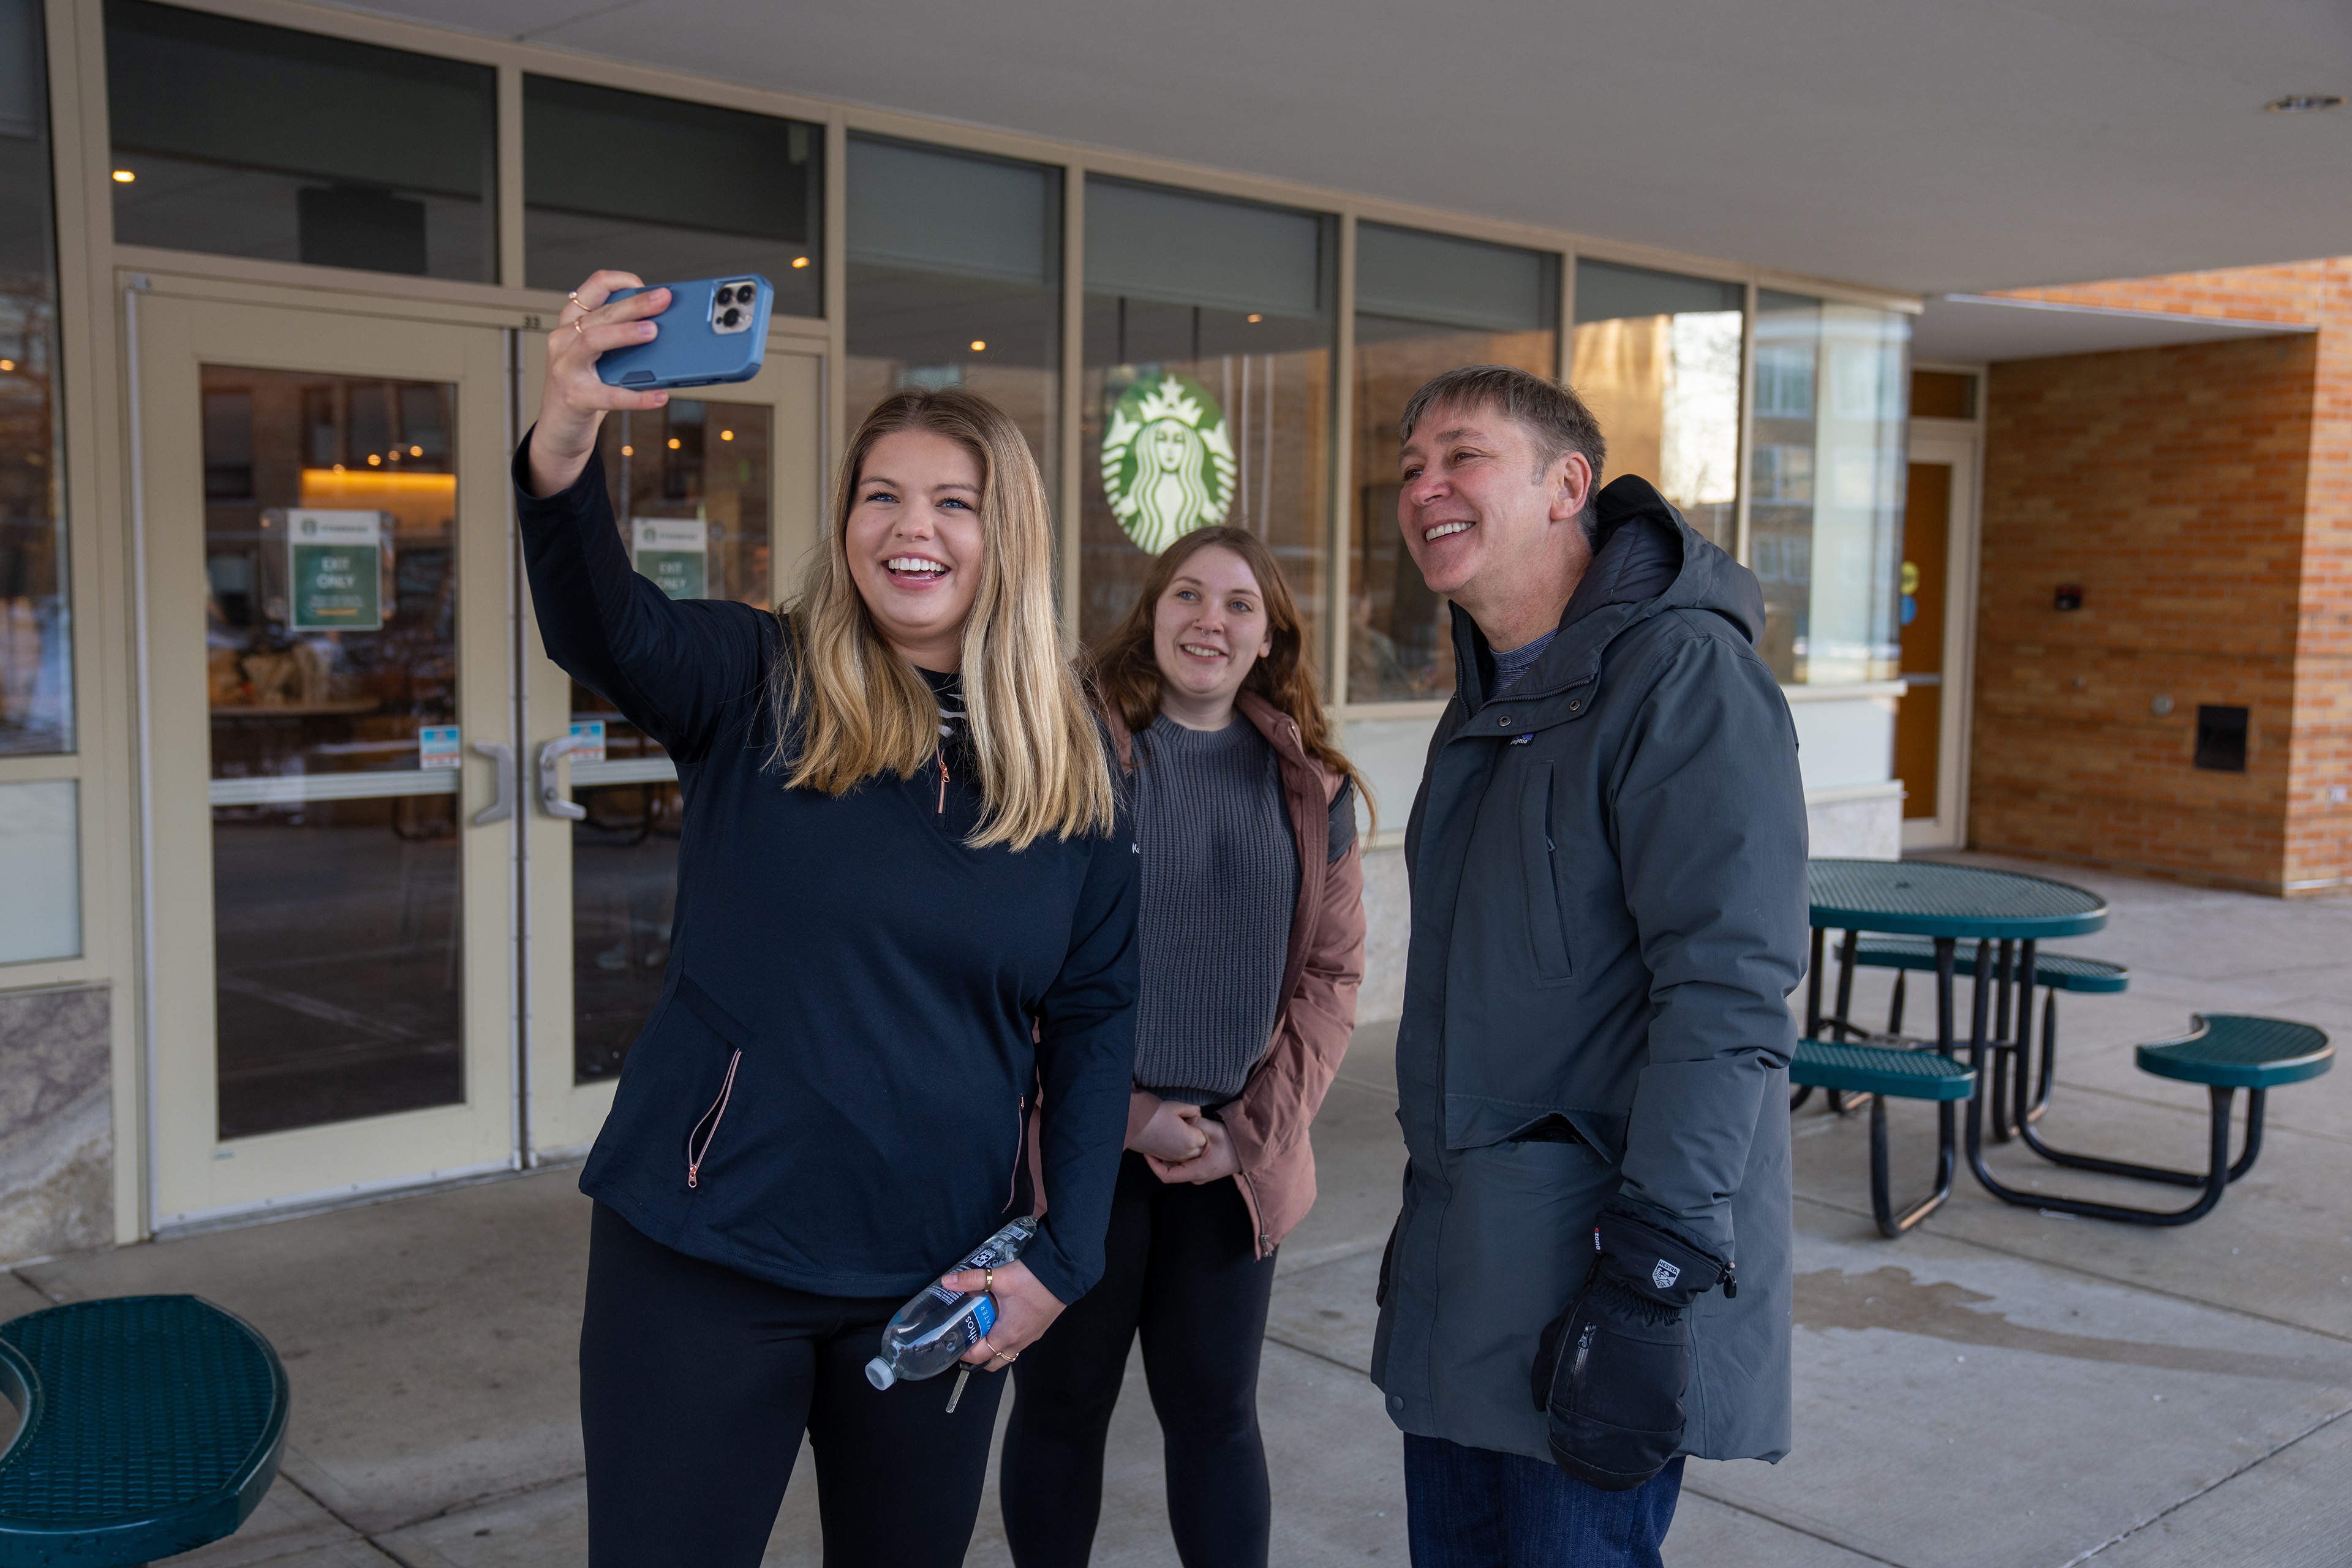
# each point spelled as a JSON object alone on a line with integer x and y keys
{"x": 1890, "y": 1298}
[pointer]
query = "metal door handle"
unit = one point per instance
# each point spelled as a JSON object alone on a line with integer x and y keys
{"x": 501, "y": 764}
{"x": 550, "y": 791}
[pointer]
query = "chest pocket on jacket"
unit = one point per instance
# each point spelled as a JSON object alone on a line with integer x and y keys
{"x": 1539, "y": 863}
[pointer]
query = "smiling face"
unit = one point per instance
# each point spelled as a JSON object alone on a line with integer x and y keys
{"x": 915, "y": 544}
{"x": 1480, "y": 509}
{"x": 1208, "y": 627}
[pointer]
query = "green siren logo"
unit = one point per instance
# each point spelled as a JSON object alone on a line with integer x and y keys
{"x": 1167, "y": 460}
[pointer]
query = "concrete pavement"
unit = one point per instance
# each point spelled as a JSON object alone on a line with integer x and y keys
{"x": 1999, "y": 1388}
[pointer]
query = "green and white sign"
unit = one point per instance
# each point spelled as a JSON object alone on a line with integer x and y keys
{"x": 1167, "y": 460}
{"x": 334, "y": 571}
{"x": 674, "y": 552}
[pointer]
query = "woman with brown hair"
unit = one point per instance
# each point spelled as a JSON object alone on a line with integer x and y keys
{"x": 905, "y": 915}
{"x": 1252, "y": 930}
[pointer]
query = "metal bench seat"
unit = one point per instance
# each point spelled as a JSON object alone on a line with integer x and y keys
{"x": 148, "y": 1426}
{"x": 2018, "y": 1090}
{"x": 2225, "y": 1052}
{"x": 2234, "y": 1050}
{"x": 1880, "y": 1071}
{"x": 2058, "y": 971}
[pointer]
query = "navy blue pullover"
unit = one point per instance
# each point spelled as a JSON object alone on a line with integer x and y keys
{"x": 871, "y": 979}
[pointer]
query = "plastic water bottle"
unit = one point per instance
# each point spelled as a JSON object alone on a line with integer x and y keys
{"x": 931, "y": 1332}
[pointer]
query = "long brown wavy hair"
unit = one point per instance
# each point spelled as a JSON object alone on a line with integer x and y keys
{"x": 863, "y": 710}
{"x": 1124, "y": 668}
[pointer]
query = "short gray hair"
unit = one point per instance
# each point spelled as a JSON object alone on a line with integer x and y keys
{"x": 1556, "y": 417}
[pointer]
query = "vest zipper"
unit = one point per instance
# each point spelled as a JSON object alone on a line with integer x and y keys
{"x": 1257, "y": 1213}
{"x": 710, "y": 1119}
{"x": 940, "y": 756}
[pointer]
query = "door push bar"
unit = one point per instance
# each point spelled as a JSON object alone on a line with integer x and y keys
{"x": 502, "y": 766}
{"x": 550, "y": 791}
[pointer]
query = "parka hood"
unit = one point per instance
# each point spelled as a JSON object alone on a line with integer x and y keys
{"x": 1648, "y": 560}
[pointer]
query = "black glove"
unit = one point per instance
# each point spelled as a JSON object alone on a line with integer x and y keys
{"x": 1610, "y": 1371}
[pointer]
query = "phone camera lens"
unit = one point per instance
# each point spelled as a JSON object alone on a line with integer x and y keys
{"x": 730, "y": 316}
{"x": 727, "y": 295}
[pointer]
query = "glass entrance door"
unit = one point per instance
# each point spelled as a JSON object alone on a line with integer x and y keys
{"x": 716, "y": 498}
{"x": 325, "y": 553}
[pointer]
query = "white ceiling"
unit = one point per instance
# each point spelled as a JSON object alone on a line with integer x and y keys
{"x": 1965, "y": 329}
{"x": 1926, "y": 145}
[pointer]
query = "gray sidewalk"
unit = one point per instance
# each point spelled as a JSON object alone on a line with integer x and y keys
{"x": 2000, "y": 1388}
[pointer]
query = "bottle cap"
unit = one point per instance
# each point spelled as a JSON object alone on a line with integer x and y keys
{"x": 878, "y": 1372}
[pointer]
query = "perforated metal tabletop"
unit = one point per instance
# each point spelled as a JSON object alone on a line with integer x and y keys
{"x": 1927, "y": 897}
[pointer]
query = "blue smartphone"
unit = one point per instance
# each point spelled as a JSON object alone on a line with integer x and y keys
{"x": 715, "y": 330}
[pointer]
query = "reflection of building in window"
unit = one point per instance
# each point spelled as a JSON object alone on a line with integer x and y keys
{"x": 1425, "y": 303}
{"x": 1823, "y": 476}
{"x": 1657, "y": 360}
{"x": 955, "y": 280}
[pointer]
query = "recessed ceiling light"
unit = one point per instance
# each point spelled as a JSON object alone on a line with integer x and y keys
{"x": 123, "y": 177}
{"x": 800, "y": 261}
{"x": 1256, "y": 319}
{"x": 980, "y": 345}
{"x": 2303, "y": 103}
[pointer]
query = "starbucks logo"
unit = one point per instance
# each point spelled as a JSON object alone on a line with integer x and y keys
{"x": 1167, "y": 460}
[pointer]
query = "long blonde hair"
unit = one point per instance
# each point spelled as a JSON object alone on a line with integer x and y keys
{"x": 850, "y": 708}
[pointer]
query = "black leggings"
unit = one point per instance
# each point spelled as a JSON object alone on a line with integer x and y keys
{"x": 1182, "y": 1270}
{"x": 695, "y": 1382}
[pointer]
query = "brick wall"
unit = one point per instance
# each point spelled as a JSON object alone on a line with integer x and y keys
{"x": 2202, "y": 497}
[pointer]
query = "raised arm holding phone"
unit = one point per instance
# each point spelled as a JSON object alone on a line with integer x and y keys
{"x": 906, "y": 917}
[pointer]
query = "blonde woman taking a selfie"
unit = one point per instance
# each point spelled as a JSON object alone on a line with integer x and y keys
{"x": 906, "y": 917}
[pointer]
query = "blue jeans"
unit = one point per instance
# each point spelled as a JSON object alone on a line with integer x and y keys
{"x": 1473, "y": 1508}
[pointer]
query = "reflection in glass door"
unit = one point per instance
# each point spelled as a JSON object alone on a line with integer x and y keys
{"x": 689, "y": 483}
{"x": 330, "y": 658}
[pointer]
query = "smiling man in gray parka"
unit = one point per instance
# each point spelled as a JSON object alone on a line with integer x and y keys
{"x": 1590, "y": 1275}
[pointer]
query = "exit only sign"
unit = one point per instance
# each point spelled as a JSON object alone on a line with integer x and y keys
{"x": 335, "y": 571}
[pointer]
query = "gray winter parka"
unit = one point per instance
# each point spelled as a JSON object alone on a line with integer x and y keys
{"x": 1609, "y": 912}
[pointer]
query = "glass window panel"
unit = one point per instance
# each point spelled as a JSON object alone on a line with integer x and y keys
{"x": 689, "y": 473}
{"x": 330, "y": 647}
{"x": 1826, "y": 512}
{"x": 246, "y": 140}
{"x": 955, "y": 280}
{"x": 1657, "y": 360}
{"x": 41, "y": 865}
{"x": 1209, "y": 330}
{"x": 668, "y": 190}
{"x": 36, "y": 643}
{"x": 1425, "y": 303}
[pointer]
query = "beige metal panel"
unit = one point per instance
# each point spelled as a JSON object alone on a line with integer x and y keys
{"x": 196, "y": 1173}
{"x": 562, "y": 1117}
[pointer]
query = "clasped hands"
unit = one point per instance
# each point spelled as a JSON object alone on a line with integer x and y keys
{"x": 1181, "y": 1144}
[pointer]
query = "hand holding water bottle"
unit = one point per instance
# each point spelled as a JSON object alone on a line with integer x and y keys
{"x": 1025, "y": 1309}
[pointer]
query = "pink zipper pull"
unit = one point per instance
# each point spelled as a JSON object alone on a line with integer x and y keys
{"x": 940, "y": 757}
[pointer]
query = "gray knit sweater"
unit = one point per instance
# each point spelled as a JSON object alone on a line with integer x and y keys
{"x": 1218, "y": 884}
